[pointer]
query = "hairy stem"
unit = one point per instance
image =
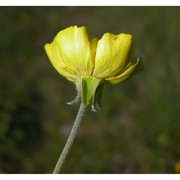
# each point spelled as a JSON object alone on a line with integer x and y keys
{"x": 70, "y": 140}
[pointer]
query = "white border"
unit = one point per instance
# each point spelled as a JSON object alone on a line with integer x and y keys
{"x": 89, "y": 3}
{"x": 92, "y": 176}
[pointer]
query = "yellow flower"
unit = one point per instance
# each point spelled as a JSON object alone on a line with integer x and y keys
{"x": 88, "y": 62}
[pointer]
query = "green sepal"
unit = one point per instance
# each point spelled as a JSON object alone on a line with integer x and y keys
{"x": 87, "y": 85}
{"x": 96, "y": 101}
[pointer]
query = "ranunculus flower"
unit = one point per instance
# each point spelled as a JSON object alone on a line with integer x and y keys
{"x": 89, "y": 62}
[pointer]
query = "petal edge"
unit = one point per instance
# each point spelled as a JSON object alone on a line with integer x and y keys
{"x": 131, "y": 70}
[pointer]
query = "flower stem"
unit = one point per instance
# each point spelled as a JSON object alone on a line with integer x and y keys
{"x": 70, "y": 140}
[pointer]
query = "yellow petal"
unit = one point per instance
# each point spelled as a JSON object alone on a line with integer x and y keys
{"x": 112, "y": 54}
{"x": 132, "y": 68}
{"x": 53, "y": 53}
{"x": 77, "y": 49}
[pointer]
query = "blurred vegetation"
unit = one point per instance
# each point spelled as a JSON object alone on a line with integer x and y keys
{"x": 137, "y": 130}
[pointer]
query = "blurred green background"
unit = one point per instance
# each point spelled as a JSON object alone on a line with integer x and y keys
{"x": 138, "y": 128}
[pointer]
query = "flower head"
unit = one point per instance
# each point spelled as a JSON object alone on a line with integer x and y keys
{"x": 88, "y": 62}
